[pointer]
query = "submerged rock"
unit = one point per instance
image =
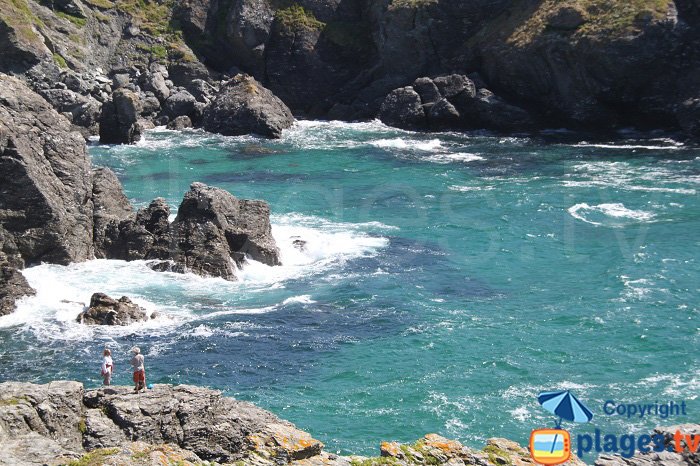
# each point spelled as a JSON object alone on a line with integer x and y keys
{"x": 104, "y": 310}
{"x": 244, "y": 106}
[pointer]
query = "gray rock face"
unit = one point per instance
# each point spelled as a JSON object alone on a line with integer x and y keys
{"x": 213, "y": 230}
{"x": 155, "y": 82}
{"x": 181, "y": 103}
{"x": 111, "y": 207}
{"x": 244, "y": 106}
{"x": 13, "y": 286}
{"x": 403, "y": 108}
{"x": 104, "y": 310}
{"x": 40, "y": 424}
{"x": 52, "y": 424}
{"x": 45, "y": 179}
{"x": 119, "y": 119}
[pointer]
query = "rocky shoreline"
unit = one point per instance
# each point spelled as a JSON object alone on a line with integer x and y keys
{"x": 55, "y": 207}
{"x": 63, "y": 423}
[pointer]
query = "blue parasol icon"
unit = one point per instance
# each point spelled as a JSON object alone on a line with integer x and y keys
{"x": 565, "y": 405}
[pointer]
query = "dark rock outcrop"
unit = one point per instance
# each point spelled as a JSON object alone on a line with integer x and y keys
{"x": 244, "y": 106}
{"x": 104, "y": 310}
{"x": 13, "y": 286}
{"x": 45, "y": 179}
{"x": 451, "y": 102}
{"x": 403, "y": 108}
{"x": 214, "y": 230}
{"x": 119, "y": 121}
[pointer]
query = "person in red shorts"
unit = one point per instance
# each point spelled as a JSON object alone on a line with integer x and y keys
{"x": 139, "y": 370}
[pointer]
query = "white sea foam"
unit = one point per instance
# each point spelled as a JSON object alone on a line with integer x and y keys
{"x": 320, "y": 245}
{"x": 670, "y": 145}
{"x": 451, "y": 157}
{"x": 465, "y": 189}
{"x": 584, "y": 211}
{"x": 629, "y": 177}
{"x": 302, "y": 299}
{"x": 64, "y": 291}
{"x": 408, "y": 144}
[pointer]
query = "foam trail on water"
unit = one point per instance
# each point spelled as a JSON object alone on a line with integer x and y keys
{"x": 401, "y": 143}
{"x": 583, "y": 212}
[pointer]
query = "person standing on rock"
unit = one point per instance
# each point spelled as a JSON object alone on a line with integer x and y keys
{"x": 139, "y": 370}
{"x": 107, "y": 367}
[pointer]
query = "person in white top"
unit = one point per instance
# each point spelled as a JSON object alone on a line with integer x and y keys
{"x": 107, "y": 367}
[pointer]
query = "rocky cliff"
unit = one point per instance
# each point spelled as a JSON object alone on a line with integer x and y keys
{"x": 56, "y": 208}
{"x": 590, "y": 64}
{"x": 62, "y": 423}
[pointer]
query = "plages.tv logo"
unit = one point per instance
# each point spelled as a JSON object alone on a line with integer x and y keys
{"x": 553, "y": 446}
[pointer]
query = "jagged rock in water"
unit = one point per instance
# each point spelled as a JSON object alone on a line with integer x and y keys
{"x": 213, "y": 230}
{"x": 111, "y": 207}
{"x": 13, "y": 286}
{"x": 244, "y": 106}
{"x": 45, "y": 179}
{"x": 450, "y": 102}
{"x": 403, "y": 108}
{"x": 119, "y": 119}
{"x": 104, "y": 310}
{"x": 144, "y": 236}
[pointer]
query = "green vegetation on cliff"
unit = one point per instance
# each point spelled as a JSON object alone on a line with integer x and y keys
{"x": 604, "y": 18}
{"x": 297, "y": 17}
{"x": 396, "y": 4}
{"x": 17, "y": 15}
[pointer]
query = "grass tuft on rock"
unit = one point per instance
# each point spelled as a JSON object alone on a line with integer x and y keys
{"x": 297, "y": 17}
{"x": 95, "y": 457}
{"x": 412, "y": 4}
{"x": 80, "y": 22}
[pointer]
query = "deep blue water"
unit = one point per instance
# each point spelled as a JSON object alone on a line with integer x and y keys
{"x": 448, "y": 279}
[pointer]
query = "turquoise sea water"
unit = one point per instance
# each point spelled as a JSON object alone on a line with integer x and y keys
{"x": 447, "y": 280}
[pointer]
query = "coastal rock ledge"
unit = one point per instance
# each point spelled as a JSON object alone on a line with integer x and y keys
{"x": 61, "y": 423}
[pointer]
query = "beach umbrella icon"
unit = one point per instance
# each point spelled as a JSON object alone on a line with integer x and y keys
{"x": 565, "y": 405}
